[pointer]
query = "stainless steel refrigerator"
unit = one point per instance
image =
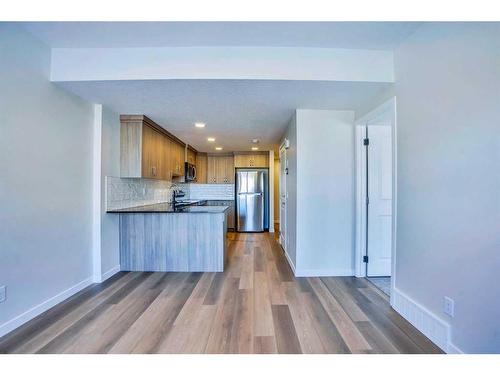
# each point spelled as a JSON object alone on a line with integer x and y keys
{"x": 252, "y": 200}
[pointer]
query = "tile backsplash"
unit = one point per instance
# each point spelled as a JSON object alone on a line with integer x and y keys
{"x": 133, "y": 192}
{"x": 210, "y": 191}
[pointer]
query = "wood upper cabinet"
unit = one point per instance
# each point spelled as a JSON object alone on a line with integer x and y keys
{"x": 253, "y": 160}
{"x": 149, "y": 151}
{"x": 151, "y": 159}
{"x": 177, "y": 162}
{"x": 167, "y": 158}
{"x": 201, "y": 168}
{"x": 229, "y": 169}
{"x": 190, "y": 155}
{"x": 212, "y": 169}
{"x": 220, "y": 169}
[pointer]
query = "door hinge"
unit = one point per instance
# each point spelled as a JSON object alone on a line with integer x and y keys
{"x": 366, "y": 141}
{"x": 365, "y": 259}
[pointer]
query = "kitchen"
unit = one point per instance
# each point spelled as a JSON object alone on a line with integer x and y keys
{"x": 202, "y": 197}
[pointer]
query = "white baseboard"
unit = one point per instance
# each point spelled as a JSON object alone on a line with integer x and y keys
{"x": 324, "y": 273}
{"x": 292, "y": 266}
{"x": 42, "y": 307}
{"x": 425, "y": 321}
{"x": 106, "y": 275}
{"x": 316, "y": 273}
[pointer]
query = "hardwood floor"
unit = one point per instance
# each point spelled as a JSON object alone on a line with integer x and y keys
{"x": 255, "y": 306}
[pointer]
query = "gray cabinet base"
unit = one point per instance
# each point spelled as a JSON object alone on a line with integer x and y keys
{"x": 173, "y": 242}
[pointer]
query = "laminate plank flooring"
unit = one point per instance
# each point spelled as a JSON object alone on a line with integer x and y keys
{"x": 255, "y": 306}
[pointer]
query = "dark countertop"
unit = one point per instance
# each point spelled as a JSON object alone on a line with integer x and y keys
{"x": 169, "y": 208}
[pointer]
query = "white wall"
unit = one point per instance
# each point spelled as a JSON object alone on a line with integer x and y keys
{"x": 45, "y": 182}
{"x": 448, "y": 210}
{"x": 378, "y": 100}
{"x": 320, "y": 217}
{"x": 325, "y": 195}
{"x": 110, "y": 166}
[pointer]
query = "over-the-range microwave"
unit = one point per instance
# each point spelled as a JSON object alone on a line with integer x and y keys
{"x": 190, "y": 172}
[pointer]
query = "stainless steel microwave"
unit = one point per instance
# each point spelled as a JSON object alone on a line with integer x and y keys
{"x": 190, "y": 172}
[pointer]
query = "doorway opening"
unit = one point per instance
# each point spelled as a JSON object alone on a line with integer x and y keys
{"x": 375, "y": 151}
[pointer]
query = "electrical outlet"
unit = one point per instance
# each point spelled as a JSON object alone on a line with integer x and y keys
{"x": 3, "y": 293}
{"x": 449, "y": 306}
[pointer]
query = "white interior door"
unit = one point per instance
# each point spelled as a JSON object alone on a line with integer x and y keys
{"x": 283, "y": 198}
{"x": 380, "y": 200}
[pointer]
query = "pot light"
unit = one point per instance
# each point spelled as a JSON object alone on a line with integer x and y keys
{"x": 255, "y": 148}
{"x": 199, "y": 124}
{"x": 211, "y": 139}
{"x": 255, "y": 141}
{"x": 218, "y": 148}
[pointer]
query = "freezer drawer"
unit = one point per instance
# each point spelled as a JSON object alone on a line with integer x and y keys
{"x": 250, "y": 212}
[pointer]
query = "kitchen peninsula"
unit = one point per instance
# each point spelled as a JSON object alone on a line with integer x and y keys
{"x": 164, "y": 237}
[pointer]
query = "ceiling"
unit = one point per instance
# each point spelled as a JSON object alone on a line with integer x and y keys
{"x": 351, "y": 35}
{"x": 235, "y": 111}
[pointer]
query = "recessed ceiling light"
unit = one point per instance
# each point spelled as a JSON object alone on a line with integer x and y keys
{"x": 255, "y": 148}
{"x": 211, "y": 139}
{"x": 218, "y": 148}
{"x": 199, "y": 124}
{"x": 255, "y": 141}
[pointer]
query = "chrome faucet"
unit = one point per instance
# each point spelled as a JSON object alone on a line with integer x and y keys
{"x": 177, "y": 194}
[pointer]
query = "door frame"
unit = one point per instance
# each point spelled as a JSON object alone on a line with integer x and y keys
{"x": 385, "y": 112}
{"x": 283, "y": 184}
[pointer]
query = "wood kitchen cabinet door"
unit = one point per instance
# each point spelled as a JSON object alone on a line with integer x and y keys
{"x": 179, "y": 158}
{"x": 177, "y": 153}
{"x": 260, "y": 161}
{"x": 173, "y": 156}
{"x": 148, "y": 164}
{"x": 229, "y": 169}
{"x": 220, "y": 169}
{"x": 212, "y": 169}
{"x": 182, "y": 157}
{"x": 241, "y": 161}
{"x": 253, "y": 160}
{"x": 152, "y": 155}
{"x": 201, "y": 168}
{"x": 167, "y": 159}
{"x": 231, "y": 214}
{"x": 225, "y": 169}
{"x": 191, "y": 156}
